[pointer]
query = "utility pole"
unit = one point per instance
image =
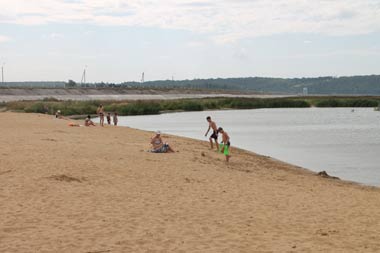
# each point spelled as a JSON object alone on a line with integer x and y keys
{"x": 2, "y": 73}
{"x": 142, "y": 77}
{"x": 83, "y": 80}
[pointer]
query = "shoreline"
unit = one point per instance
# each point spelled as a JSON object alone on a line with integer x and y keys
{"x": 325, "y": 171}
{"x": 296, "y": 168}
{"x": 93, "y": 189}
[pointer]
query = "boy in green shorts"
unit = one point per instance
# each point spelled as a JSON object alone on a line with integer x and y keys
{"x": 225, "y": 145}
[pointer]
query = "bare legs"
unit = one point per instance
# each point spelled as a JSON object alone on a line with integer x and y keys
{"x": 102, "y": 120}
{"x": 212, "y": 144}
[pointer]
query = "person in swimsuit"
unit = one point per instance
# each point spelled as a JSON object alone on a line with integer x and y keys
{"x": 115, "y": 119}
{"x": 159, "y": 146}
{"x": 109, "y": 118}
{"x": 225, "y": 146}
{"x": 212, "y": 125}
{"x": 88, "y": 121}
{"x": 100, "y": 112}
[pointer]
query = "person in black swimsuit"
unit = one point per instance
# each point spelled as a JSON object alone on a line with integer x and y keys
{"x": 214, "y": 135}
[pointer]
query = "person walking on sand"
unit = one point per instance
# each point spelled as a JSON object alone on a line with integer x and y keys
{"x": 115, "y": 119}
{"x": 100, "y": 112}
{"x": 225, "y": 146}
{"x": 212, "y": 125}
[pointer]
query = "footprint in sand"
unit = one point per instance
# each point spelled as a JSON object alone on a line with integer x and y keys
{"x": 64, "y": 178}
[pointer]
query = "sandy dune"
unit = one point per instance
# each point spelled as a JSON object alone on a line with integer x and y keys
{"x": 67, "y": 189}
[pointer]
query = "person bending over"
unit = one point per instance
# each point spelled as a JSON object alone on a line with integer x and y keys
{"x": 214, "y": 136}
{"x": 225, "y": 146}
{"x": 158, "y": 146}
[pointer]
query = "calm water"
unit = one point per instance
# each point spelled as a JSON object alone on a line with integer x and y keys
{"x": 344, "y": 143}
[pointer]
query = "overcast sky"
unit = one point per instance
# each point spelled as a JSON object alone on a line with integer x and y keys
{"x": 120, "y": 39}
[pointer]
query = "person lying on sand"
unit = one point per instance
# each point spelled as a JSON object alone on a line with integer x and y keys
{"x": 88, "y": 121}
{"x": 212, "y": 125}
{"x": 71, "y": 124}
{"x": 58, "y": 115}
{"x": 159, "y": 146}
{"x": 225, "y": 146}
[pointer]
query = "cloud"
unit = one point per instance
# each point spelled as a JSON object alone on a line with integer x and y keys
{"x": 53, "y": 36}
{"x": 195, "y": 44}
{"x": 374, "y": 51}
{"x": 225, "y": 21}
{"x": 4, "y": 38}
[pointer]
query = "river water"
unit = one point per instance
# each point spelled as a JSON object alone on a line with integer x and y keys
{"x": 343, "y": 141}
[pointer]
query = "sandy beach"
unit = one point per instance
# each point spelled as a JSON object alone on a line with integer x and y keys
{"x": 95, "y": 190}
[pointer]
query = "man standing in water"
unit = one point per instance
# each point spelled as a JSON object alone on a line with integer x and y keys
{"x": 225, "y": 147}
{"x": 212, "y": 125}
{"x": 100, "y": 112}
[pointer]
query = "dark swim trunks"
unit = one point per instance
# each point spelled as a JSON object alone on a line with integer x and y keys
{"x": 214, "y": 135}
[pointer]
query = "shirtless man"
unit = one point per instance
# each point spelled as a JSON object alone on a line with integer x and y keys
{"x": 225, "y": 147}
{"x": 212, "y": 125}
{"x": 100, "y": 112}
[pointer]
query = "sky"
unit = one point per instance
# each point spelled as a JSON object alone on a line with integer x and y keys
{"x": 117, "y": 40}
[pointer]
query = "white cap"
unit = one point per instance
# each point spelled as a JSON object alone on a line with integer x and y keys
{"x": 158, "y": 132}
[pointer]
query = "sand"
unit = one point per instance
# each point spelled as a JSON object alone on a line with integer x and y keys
{"x": 78, "y": 189}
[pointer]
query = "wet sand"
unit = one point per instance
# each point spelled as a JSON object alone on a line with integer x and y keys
{"x": 78, "y": 189}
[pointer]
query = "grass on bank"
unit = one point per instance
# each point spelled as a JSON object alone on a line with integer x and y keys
{"x": 146, "y": 107}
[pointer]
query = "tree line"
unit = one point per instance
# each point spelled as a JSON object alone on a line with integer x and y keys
{"x": 352, "y": 85}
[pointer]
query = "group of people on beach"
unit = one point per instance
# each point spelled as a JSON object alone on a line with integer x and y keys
{"x": 100, "y": 112}
{"x": 158, "y": 145}
{"x": 225, "y": 144}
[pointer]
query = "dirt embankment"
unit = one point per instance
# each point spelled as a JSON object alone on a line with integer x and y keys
{"x": 17, "y": 94}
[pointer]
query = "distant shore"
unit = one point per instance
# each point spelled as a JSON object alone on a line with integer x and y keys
{"x": 93, "y": 189}
{"x": 50, "y": 105}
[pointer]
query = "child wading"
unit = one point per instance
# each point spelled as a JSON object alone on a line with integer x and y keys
{"x": 212, "y": 125}
{"x": 225, "y": 146}
{"x": 115, "y": 119}
{"x": 109, "y": 118}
